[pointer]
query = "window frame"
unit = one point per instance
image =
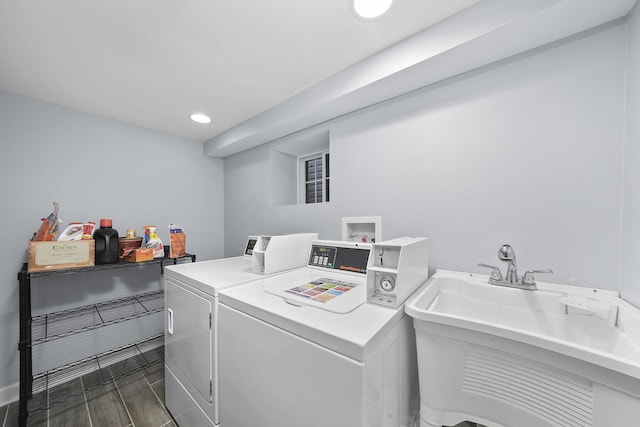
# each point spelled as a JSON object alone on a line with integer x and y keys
{"x": 325, "y": 179}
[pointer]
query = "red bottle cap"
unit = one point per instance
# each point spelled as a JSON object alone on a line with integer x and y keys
{"x": 106, "y": 223}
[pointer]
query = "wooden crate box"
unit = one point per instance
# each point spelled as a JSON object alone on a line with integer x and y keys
{"x": 47, "y": 256}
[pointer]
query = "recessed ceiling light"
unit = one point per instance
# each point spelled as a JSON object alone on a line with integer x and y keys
{"x": 370, "y": 9}
{"x": 201, "y": 118}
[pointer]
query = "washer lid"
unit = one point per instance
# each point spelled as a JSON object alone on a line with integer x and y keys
{"x": 342, "y": 286}
{"x": 354, "y": 333}
{"x": 325, "y": 293}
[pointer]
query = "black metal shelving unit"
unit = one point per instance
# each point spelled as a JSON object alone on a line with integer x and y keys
{"x": 36, "y": 330}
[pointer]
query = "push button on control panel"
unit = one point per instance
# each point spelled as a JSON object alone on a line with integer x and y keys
{"x": 323, "y": 256}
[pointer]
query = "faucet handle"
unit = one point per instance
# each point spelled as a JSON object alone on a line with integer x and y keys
{"x": 528, "y": 278}
{"x": 496, "y": 274}
{"x": 506, "y": 253}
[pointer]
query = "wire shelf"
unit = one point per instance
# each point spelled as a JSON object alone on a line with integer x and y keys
{"x": 50, "y": 388}
{"x": 162, "y": 261}
{"x": 51, "y": 326}
{"x": 55, "y": 386}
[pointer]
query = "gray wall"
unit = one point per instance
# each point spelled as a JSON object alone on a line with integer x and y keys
{"x": 95, "y": 168}
{"x": 630, "y": 285}
{"x": 527, "y": 151}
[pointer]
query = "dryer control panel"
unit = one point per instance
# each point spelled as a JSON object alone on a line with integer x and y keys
{"x": 248, "y": 251}
{"x": 251, "y": 243}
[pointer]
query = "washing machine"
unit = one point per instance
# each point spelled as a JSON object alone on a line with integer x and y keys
{"x": 305, "y": 348}
{"x": 192, "y": 322}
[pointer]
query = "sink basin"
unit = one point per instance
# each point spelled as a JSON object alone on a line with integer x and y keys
{"x": 500, "y": 356}
{"x": 532, "y": 316}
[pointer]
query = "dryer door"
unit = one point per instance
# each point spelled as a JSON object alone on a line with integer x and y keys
{"x": 188, "y": 335}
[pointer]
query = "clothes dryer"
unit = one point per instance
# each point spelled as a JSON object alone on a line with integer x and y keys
{"x": 191, "y": 326}
{"x": 304, "y": 348}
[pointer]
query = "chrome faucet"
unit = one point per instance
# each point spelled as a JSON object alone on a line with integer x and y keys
{"x": 508, "y": 255}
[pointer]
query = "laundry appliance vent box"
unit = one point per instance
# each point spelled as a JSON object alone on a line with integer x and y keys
{"x": 50, "y": 256}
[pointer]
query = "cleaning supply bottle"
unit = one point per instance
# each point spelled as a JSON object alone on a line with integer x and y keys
{"x": 107, "y": 243}
{"x": 152, "y": 240}
{"x": 72, "y": 232}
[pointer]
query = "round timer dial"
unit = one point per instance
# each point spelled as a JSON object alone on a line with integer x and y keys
{"x": 387, "y": 283}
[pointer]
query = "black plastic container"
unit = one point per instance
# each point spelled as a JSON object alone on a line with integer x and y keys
{"x": 107, "y": 243}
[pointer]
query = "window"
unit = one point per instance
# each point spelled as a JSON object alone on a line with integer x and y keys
{"x": 314, "y": 182}
{"x": 297, "y": 164}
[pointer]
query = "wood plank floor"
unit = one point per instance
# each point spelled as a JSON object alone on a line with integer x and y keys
{"x": 133, "y": 401}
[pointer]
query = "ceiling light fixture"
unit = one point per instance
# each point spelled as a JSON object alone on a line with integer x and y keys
{"x": 371, "y": 9}
{"x": 201, "y": 118}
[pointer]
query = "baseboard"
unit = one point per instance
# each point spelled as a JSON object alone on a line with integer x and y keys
{"x": 9, "y": 394}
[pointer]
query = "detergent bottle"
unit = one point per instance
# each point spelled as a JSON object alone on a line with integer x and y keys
{"x": 152, "y": 240}
{"x": 107, "y": 243}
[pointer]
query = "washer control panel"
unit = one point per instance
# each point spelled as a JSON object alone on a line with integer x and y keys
{"x": 322, "y": 256}
{"x": 353, "y": 259}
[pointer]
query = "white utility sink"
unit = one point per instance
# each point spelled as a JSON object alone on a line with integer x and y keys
{"x": 558, "y": 356}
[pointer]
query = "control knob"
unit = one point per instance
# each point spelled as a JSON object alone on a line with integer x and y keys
{"x": 387, "y": 283}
